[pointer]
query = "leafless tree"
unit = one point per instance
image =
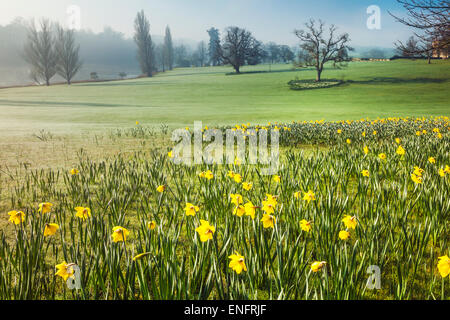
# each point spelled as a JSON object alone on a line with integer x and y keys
{"x": 430, "y": 19}
{"x": 67, "y": 53}
{"x": 422, "y": 46}
{"x": 319, "y": 47}
{"x": 40, "y": 52}
{"x": 239, "y": 47}
{"x": 202, "y": 53}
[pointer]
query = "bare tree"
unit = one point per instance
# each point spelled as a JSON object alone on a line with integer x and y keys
{"x": 423, "y": 46}
{"x": 144, "y": 43}
{"x": 67, "y": 53}
{"x": 201, "y": 53}
{"x": 40, "y": 52}
{"x": 319, "y": 47}
{"x": 239, "y": 47}
{"x": 430, "y": 19}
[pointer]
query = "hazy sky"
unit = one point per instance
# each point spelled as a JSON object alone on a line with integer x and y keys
{"x": 268, "y": 20}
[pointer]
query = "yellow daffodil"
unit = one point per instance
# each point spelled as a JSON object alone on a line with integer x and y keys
{"x": 309, "y": 196}
{"x": 276, "y": 178}
{"x": 65, "y": 270}
{"x": 236, "y": 199}
{"x": 237, "y": 263}
{"x": 209, "y": 175}
{"x": 247, "y": 186}
{"x": 442, "y": 172}
{"x": 397, "y": 140}
{"x": 16, "y": 217}
{"x": 268, "y": 221}
{"x": 348, "y": 141}
{"x": 151, "y": 225}
{"x": 250, "y": 209}
{"x": 205, "y": 231}
{"x": 239, "y": 211}
{"x": 45, "y": 207}
{"x": 418, "y": 171}
{"x": 444, "y": 266}
{"x": 50, "y": 229}
{"x": 431, "y": 160}
{"x": 120, "y": 234}
{"x": 268, "y": 206}
{"x": 272, "y": 199}
{"x": 74, "y": 172}
{"x": 161, "y": 189}
{"x": 400, "y": 151}
{"x": 366, "y": 150}
{"x": 339, "y": 131}
{"x": 382, "y": 156}
{"x": 305, "y": 225}
{"x": 237, "y": 178}
{"x": 191, "y": 209}
{"x": 344, "y": 235}
{"x": 350, "y": 222}
{"x": 170, "y": 154}
{"x": 417, "y": 179}
{"x": 317, "y": 265}
{"x": 231, "y": 174}
{"x": 365, "y": 173}
{"x": 83, "y": 213}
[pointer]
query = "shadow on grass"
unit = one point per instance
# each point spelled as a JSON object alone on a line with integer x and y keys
{"x": 23, "y": 103}
{"x": 121, "y": 83}
{"x": 262, "y": 71}
{"x": 392, "y": 80}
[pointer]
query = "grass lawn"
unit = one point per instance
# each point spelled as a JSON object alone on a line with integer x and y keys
{"x": 179, "y": 97}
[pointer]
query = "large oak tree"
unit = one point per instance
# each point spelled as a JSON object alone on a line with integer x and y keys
{"x": 239, "y": 47}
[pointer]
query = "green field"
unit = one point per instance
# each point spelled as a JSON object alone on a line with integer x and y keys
{"x": 179, "y": 97}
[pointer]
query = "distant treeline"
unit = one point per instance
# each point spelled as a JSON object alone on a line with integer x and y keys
{"x": 111, "y": 55}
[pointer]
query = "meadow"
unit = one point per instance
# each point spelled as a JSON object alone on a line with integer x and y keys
{"x": 179, "y": 97}
{"x": 363, "y": 181}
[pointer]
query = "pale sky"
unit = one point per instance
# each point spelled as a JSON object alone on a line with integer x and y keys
{"x": 268, "y": 20}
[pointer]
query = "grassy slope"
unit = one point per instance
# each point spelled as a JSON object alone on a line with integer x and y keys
{"x": 177, "y": 98}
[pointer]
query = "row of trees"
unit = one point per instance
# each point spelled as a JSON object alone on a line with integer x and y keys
{"x": 238, "y": 47}
{"x": 50, "y": 51}
{"x": 146, "y": 50}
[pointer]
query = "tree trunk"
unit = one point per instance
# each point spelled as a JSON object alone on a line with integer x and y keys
{"x": 429, "y": 59}
{"x": 319, "y": 72}
{"x": 237, "y": 69}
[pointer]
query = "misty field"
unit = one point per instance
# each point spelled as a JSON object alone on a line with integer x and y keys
{"x": 89, "y": 190}
{"x": 179, "y": 97}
